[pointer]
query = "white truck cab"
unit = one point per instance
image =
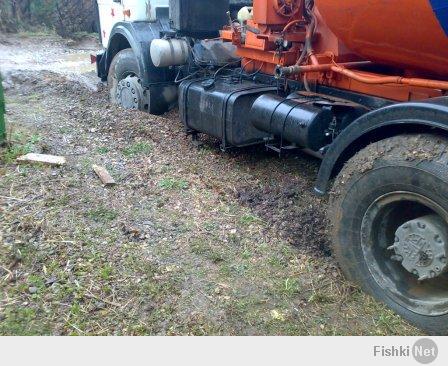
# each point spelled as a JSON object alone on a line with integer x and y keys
{"x": 114, "y": 11}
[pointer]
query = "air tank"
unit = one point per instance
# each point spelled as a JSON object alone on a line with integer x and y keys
{"x": 410, "y": 34}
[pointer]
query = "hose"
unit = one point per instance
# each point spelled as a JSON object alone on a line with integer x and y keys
{"x": 424, "y": 83}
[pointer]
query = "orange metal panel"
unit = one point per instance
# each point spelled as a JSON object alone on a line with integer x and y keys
{"x": 265, "y": 13}
{"x": 403, "y": 33}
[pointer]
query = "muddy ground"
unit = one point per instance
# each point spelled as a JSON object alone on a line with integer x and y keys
{"x": 190, "y": 241}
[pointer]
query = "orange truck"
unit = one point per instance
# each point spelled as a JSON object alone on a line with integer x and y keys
{"x": 362, "y": 85}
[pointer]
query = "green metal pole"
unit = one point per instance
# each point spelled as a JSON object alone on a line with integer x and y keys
{"x": 2, "y": 114}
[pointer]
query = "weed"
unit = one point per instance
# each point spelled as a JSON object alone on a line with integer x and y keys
{"x": 106, "y": 272}
{"x": 138, "y": 148}
{"x": 173, "y": 184}
{"x": 102, "y": 214}
{"x": 203, "y": 248}
{"x": 21, "y": 321}
{"x": 290, "y": 287}
{"x": 319, "y": 297}
{"x": 102, "y": 150}
{"x": 248, "y": 219}
{"x": 20, "y": 146}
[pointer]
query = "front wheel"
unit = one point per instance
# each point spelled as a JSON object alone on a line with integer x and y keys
{"x": 389, "y": 212}
{"x": 124, "y": 81}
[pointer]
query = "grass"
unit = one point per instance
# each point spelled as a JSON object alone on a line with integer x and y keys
{"x": 102, "y": 214}
{"x": 37, "y": 32}
{"x": 102, "y": 150}
{"x": 173, "y": 184}
{"x": 20, "y": 144}
{"x": 106, "y": 272}
{"x": 78, "y": 36}
{"x": 289, "y": 287}
{"x": 249, "y": 219}
{"x": 168, "y": 251}
{"x": 204, "y": 248}
{"x": 136, "y": 149}
{"x": 22, "y": 321}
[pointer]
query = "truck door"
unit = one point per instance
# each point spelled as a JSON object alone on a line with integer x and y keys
{"x": 110, "y": 12}
{"x": 143, "y": 10}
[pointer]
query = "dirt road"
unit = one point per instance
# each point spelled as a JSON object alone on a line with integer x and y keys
{"x": 190, "y": 241}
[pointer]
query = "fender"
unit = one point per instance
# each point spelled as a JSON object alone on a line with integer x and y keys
{"x": 377, "y": 125}
{"x": 138, "y": 36}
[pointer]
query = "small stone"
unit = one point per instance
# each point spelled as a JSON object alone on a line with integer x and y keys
{"x": 99, "y": 305}
{"x": 32, "y": 289}
{"x": 50, "y": 281}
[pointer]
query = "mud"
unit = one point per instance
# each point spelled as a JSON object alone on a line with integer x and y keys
{"x": 190, "y": 241}
{"x": 48, "y": 53}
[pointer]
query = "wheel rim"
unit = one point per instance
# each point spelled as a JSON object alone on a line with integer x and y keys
{"x": 130, "y": 93}
{"x": 381, "y": 230}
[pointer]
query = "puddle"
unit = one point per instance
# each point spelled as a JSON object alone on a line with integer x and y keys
{"x": 20, "y": 54}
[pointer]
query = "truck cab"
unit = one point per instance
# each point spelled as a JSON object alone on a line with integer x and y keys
{"x": 128, "y": 28}
{"x": 112, "y": 12}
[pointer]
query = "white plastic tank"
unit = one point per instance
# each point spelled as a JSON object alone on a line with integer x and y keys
{"x": 169, "y": 52}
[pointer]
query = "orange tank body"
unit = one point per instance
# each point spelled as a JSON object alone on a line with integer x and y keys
{"x": 403, "y": 33}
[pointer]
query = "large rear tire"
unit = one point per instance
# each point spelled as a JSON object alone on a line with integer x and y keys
{"x": 389, "y": 212}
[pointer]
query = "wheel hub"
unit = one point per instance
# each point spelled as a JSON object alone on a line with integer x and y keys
{"x": 130, "y": 93}
{"x": 421, "y": 245}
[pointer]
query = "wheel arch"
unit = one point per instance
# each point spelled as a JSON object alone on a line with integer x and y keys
{"x": 138, "y": 36}
{"x": 429, "y": 116}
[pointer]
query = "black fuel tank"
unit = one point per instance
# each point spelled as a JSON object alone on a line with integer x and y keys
{"x": 298, "y": 121}
{"x": 222, "y": 109}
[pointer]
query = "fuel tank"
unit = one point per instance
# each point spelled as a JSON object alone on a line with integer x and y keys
{"x": 410, "y": 34}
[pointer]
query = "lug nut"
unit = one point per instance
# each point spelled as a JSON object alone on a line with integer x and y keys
{"x": 421, "y": 225}
{"x": 397, "y": 258}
